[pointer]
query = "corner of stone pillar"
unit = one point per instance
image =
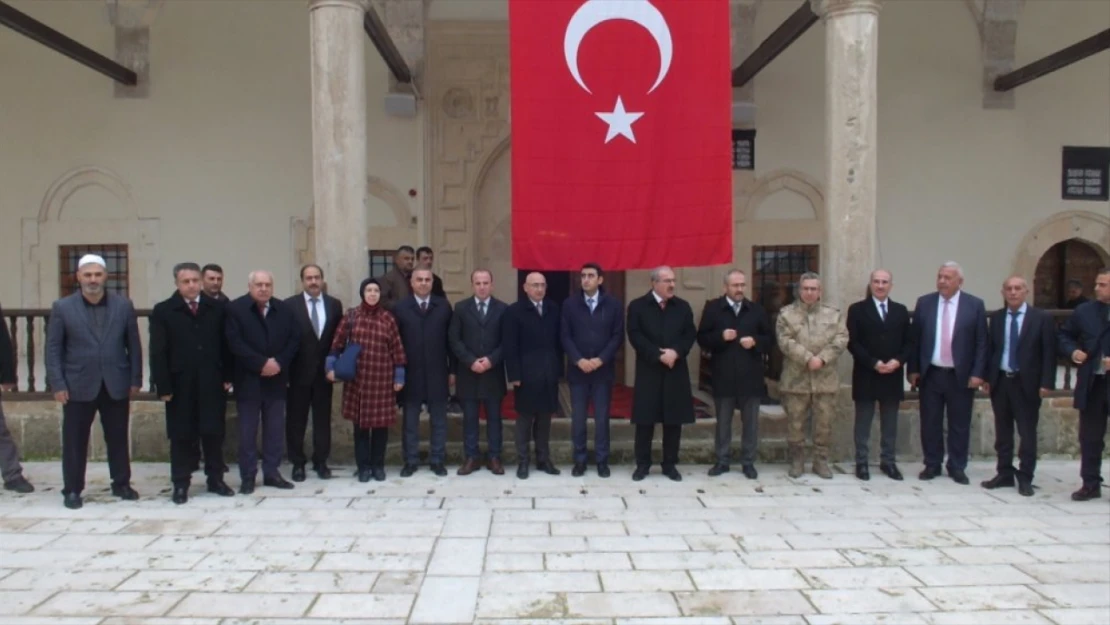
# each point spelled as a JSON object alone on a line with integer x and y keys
{"x": 998, "y": 26}
{"x": 832, "y": 8}
{"x": 132, "y": 20}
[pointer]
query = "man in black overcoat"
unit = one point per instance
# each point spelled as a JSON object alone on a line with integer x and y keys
{"x": 661, "y": 330}
{"x": 191, "y": 368}
{"x": 534, "y": 364}
{"x": 881, "y": 344}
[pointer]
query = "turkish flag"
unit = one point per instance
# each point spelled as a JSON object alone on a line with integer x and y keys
{"x": 621, "y": 133}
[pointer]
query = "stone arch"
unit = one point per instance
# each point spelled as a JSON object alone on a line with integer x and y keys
{"x": 1085, "y": 226}
{"x": 783, "y": 180}
{"x": 491, "y": 224}
{"x": 393, "y": 198}
{"x": 42, "y": 235}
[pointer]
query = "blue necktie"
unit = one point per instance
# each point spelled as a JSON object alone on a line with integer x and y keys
{"x": 882, "y": 310}
{"x": 1013, "y": 363}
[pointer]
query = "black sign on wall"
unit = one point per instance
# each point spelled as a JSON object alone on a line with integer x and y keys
{"x": 743, "y": 149}
{"x": 1086, "y": 174}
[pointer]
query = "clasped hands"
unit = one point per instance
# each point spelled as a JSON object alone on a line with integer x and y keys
{"x": 589, "y": 365}
{"x": 730, "y": 335}
{"x": 481, "y": 365}
{"x": 889, "y": 366}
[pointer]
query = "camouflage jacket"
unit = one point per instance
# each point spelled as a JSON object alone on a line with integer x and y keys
{"x": 804, "y": 332}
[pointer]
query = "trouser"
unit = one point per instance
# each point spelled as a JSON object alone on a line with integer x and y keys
{"x": 888, "y": 429}
{"x": 1012, "y": 406}
{"x": 472, "y": 427}
{"x": 370, "y": 447}
{"x": 77, "y": 420}
{"x": 271, "y": 414}
{"x": 645, "y": 435}
{"x": 581, "y": 396}
{"x": 410, "y": 441}
{"x": 943, "y": 396}
{"x": 798, "y": 407}
{"x": 1092, "y": 430}
{"x": 317, "y": 397}
{"x": 749, "y": 433}
{"x": 183, "y": 458}
{"x": 533, "y": 427}
{"x": 10, "y": 468}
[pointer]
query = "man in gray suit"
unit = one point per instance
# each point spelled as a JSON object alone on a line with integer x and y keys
{"x": 94, "y": 364}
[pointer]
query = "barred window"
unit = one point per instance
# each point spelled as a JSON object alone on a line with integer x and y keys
{"x": 776, "y": 270}
{"x": 114, "y": 255}
{"x": 381, "y": 261}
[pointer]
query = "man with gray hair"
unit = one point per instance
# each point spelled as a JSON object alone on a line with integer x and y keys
{"x": 94, "y": 363}
{"x": 812, "y": 337}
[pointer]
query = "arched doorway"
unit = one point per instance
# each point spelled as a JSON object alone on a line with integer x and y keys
{"x": 1066, "y": 261}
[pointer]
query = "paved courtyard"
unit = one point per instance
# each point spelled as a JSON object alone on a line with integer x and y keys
{"x": 561, "y": 550}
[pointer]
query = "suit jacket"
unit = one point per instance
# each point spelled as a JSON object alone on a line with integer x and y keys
{"x": 308, "y": 365}
{"x": 969, "y": 336}
{"x": 395, "y": 287}
{"x": 870, "y": 340}
{"x": 661, "y": 395}
{"x": 7, "y": 354}
{"x": 253, "y": 340}
{"x": 78, "y": 360}
{"x": 1036, "y": 351}
{"x": 533, "y": 356}
{"x": 597, "y": 335}
{"x": 437, "y": 286}
{"x": 1088, "y": 330}
{"x": 737, "y": 371}
{"x": 471, "y": 337}
{"x": 429, "y": 360}
{"x": 190, "y": 359}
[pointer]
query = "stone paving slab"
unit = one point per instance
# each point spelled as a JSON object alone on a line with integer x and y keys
{"x": 559, "y": 551}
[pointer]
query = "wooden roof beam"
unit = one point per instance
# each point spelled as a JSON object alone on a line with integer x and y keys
{"x": 787, "y": 33}
{"x": 1057, "y": 60}
{"x": 379, "y": 35}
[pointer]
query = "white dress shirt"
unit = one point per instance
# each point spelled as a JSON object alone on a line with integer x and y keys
{"x": 321, "y": 310}
{"x": 954, "y": 307}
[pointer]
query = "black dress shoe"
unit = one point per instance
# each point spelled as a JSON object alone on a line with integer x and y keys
{"x": 863, "y": 472}
{"x": 298, "y": 473}
{"x": 750, "y": 472}
{"x": 19, "y": 485}
{"x": 548, "y": 468}
{"x": 378, "y": 473}
{"x": 718, "y": 469}
{"x": 640, "y": 473}
{"x": 522, "y": 471}
{"x": 579, "y": 469}
{"x": 891, "y": 471}
{"x": 73, "y": 501}
{"x": 1025, "y": 488}
{"x": 323, "y": 472}
{"x": 220, "y": 488}
{"x": 364, "y": 475}
{"x": 439, "y": 470}
{"x": 180, "y": 494}
{"x": 929, "y": 473}
{"x": 603, "y": 469}
{"x": 958, "y": 476}
{"x": 124, "y": 492}
{"x": 277, "y": 481}
{"x": 673, "y": 474}
{"x": 408, "y": 470}
{"x": 998, "y": 481}
{"x": 247, "y": 487}
{"x": 1089, "y": 491}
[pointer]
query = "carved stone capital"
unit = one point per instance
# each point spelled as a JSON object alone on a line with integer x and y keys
{"x": 834, "y": 8}
{"x": 354, "y": 5}
{"x": 133, "y": 13}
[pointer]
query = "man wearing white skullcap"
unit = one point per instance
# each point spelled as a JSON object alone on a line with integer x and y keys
{"x": 94, "y": 365}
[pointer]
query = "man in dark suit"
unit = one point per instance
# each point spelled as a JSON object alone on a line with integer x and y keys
{"x": 191, "y": 367}
{"x": 423, "y": 320}
{"x": 10, "y": 469}
{"x": 1085, "y": 339}
{"x": 880, "y": 343}
{"x": 318, "y": 315}
{"x": 661, "y": 330}
{"x": 1075, "y": 295}
{"x": 950, "y": 334}
{"x": 396, "y": 283}
{"x": 533, "y": 364}
{"x": 1021, "y": 370}
{"x": 264, "y": 338}
{"x": 475, "y": 339}
{"x": 736, "y": 332}
{"x": 94, "y": 363}
{"x": 425, "y": 257}
{"x": 591, "y": 331}
{"x": 212, "y": 278}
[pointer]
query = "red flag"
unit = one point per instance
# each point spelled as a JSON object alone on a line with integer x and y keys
{"x": 621, "y": 133}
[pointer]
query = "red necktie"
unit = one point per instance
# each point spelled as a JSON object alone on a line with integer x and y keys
{"x": 193, "y": 307}
{"x": 423, "y": 307}
{"x": 663, "y": 304}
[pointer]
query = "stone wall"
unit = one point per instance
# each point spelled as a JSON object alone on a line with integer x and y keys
{"x": 36, "y": 428}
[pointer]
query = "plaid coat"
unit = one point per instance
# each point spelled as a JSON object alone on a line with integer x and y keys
{"x": 369, "y": 400}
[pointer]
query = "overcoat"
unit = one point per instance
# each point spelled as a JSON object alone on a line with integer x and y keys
{"x": 662, "y": 395}
{"x": 424, "y": 336}
{"x": 737, "y": 371}
{"x": 472, "y": 337}
{"x": 369, "y": 400}
{"x": 871, "y": 339}
{"x": 533, "y": 356}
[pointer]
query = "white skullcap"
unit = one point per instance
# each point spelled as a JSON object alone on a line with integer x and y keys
{"x": 89, "y": 259}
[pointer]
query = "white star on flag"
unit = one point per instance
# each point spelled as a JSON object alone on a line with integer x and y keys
{"x": 620, "y": 122}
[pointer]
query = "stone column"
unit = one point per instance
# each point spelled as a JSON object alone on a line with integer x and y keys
{"x": 339, "y": 143}
{"x": 851, "y": 47}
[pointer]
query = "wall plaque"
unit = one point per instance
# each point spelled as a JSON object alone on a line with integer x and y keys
{"x": 743, "y": 149}
{"x": 1086, "y": 174}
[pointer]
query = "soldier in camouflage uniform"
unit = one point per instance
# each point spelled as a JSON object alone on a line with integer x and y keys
{"x": 811, "y": 336}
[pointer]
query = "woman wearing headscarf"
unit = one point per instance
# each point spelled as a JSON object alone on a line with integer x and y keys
{"x": 369, "y": 400}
